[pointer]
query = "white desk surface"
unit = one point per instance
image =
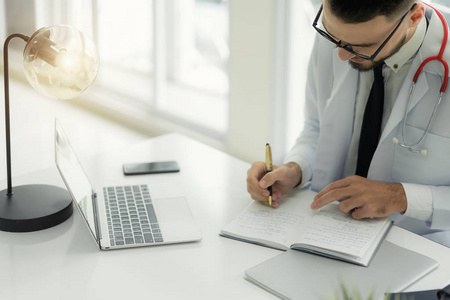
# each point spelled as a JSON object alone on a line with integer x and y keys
{"x": 64, "y": 262}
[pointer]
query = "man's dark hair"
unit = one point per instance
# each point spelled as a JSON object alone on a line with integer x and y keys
{"x": 358, "y": 11}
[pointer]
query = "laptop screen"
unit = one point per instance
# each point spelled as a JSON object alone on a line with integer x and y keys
{"x": 74, "y": 177}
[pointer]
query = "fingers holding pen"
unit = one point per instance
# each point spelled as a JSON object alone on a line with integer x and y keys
{"x": 267, "y": 182}
{"x": 258, "y": 181}
{"x": 282, "y": 178}
{"x": 254, "y": 175}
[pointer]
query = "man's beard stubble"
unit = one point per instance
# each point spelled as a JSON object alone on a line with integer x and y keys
{"x": 374, "y": 63}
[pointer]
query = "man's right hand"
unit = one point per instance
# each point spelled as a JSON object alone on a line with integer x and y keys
{"x": 282, "y": 179}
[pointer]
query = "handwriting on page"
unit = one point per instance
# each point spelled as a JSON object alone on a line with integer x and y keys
{"x": 333, "y": 229}
{"x": 269, "y": 223}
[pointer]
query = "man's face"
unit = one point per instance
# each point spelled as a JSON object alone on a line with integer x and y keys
{"x": 365, "y": 38}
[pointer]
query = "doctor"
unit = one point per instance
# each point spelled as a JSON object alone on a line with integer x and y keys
{"x": 407, "y": 173}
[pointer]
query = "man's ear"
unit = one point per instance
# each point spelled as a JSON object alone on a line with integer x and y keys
{"x": 417, "y": 14}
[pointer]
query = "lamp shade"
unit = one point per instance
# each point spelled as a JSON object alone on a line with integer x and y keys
{"x": 60, "y": 61}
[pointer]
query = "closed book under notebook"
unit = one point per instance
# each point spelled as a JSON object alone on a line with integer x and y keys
{"x": 299, "y": 275}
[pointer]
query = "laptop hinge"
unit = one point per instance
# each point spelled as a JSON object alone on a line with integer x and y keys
{"x": 97, "y": 223}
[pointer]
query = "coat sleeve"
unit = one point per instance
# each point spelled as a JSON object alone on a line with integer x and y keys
{"x": 441, "y": 208}
{"x": 304, "y": 150}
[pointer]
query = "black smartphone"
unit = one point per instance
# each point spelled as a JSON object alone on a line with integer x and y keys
{"x": 151, "y": 167}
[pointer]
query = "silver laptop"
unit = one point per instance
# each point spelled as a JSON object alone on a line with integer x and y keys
{"x": 123, "y": 216}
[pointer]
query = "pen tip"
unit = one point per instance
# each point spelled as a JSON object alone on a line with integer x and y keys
{"x": 267, "y": 144}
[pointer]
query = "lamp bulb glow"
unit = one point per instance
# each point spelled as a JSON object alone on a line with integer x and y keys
{"x": 60, "y": 61}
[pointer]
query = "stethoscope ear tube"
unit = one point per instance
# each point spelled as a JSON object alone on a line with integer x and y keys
{"x": 424, "y": 152}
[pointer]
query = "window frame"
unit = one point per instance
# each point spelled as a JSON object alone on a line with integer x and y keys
{"x": 3, "y": 23}
{"x": 160, "y": 102}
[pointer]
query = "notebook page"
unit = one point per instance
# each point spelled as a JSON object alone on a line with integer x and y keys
{"x": 282, "y": 226}
{"x": 333, "y": 229}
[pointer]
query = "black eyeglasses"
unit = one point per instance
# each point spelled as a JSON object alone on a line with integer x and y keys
{"x": 349, "y": 48}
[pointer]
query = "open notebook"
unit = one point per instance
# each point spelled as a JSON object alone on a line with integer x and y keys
{"x": 327, "y": 231}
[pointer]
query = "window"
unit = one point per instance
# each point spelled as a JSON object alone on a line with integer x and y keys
{"x": 197, "y": 53}
{"x": 168, "y": 57}
{"x": 3, "y": 22}
{"x": 200, "y": 30}
{"x": 125, "y": 41}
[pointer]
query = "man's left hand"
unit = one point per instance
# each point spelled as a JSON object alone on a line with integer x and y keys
{"x": 363, "y": 198}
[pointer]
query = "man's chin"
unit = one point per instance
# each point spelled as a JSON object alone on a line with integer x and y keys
{"x": 364, "y": 66}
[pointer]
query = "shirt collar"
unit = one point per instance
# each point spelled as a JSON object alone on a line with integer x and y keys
{"x": 408, "y": 50}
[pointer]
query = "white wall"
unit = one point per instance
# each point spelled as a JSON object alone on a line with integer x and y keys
{"x": 270, "y": 45}
{"x": 251, "y": 68}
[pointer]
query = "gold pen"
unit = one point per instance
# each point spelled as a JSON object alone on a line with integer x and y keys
{"x": 269, "y": 169}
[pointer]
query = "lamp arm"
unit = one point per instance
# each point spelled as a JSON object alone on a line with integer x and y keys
{"x": 7, "y": 122}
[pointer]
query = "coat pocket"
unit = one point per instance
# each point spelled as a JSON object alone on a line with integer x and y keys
{"x": 430, "y": 169}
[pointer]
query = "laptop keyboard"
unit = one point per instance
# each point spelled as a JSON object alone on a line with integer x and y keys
{"x": 131, "y": 216}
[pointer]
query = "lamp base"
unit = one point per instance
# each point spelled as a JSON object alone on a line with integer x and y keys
{"x": 34, "y": 207}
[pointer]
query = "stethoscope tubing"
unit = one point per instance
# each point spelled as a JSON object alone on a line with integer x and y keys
{"x": 440, "y": 58}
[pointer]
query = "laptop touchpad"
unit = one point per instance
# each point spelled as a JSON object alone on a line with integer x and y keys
{"x": 175, "y": 219}
{"x": 173, "y": 209}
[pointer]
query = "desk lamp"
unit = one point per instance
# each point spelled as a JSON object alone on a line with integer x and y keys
{"x": 60, "y": 62}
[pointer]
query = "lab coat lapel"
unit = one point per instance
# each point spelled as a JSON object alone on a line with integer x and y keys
{"x": 337, "y": 125}
{"x": 401, "y": 103}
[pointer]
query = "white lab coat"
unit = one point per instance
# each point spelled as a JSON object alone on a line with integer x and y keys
{"x": 329, "y": 118}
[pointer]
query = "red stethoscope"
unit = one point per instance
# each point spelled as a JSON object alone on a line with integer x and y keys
{"x": 439, "y": 58}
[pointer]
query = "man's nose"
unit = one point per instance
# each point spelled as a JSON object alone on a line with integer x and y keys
{"x": 344, "y": 55}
